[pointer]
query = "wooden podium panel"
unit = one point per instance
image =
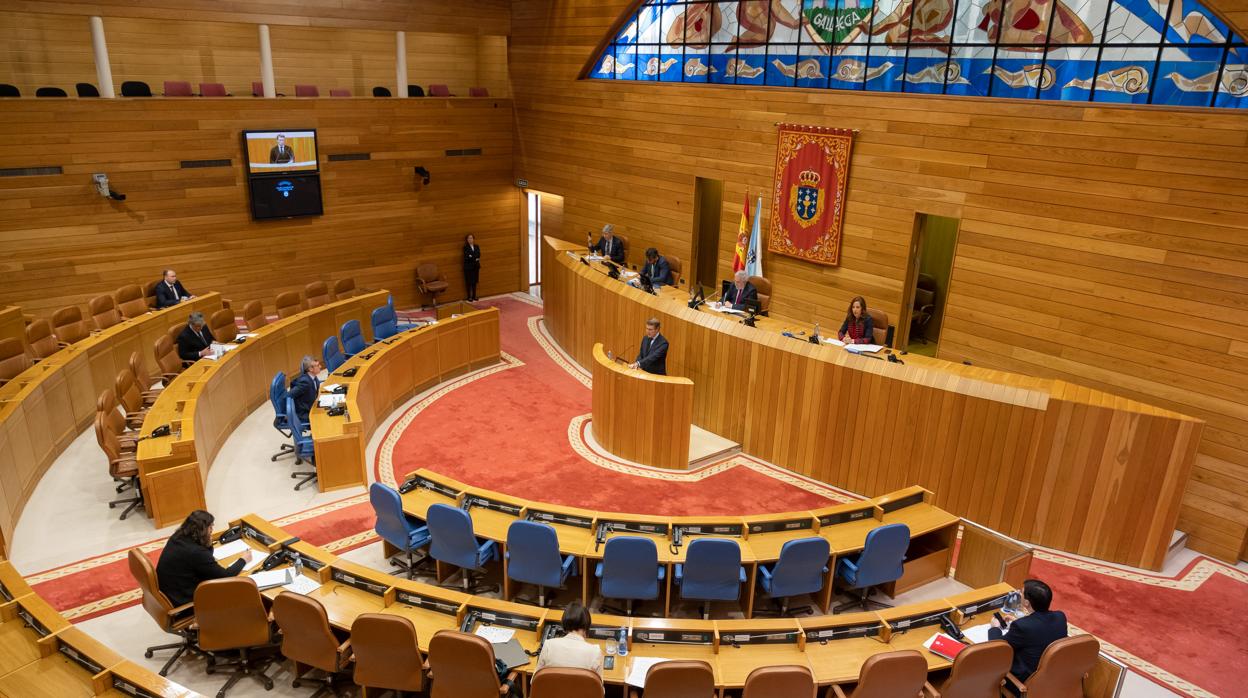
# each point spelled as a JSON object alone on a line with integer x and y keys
{"x": 640, "y": 416}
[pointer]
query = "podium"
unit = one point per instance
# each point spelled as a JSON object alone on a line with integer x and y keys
{"x": 640, "y": 416}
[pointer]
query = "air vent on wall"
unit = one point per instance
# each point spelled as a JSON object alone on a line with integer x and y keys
{"x": 30, "y": 171}
{"x": 462, "y": 153}
{"x": 347, "y": 157}
{"x": 193, "y": 164}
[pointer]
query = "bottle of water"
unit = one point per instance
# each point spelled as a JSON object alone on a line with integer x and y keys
{"x": 816, "y": 329}
{"x": 623, "y": 647}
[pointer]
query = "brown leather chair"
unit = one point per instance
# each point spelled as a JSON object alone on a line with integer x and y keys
{"x": 675, "y": 265}
{"x": 130, "y": 398}
{"x": 230, "y": 618}
{"x": 559, "y": 682}
{"x": 344, "y": 288}
{"x": 130, "y": 301}
{"x": 307, "y": 639}
{"x": 40, "y": 339}
{"x": 430, "y": 281}
{"x": 1063, "y": 666}
{"x": 254, "y": 317}
{"x": 121, "y": 466}
{"x": 167, "y": 359}
{"x": 143, "y": 379}
{"x": 791, "y": 681}
{"x": 763, "y": 285}
{"x": 386, "y": 653}
{"x": 900, "y": 674}
{"x": 879, "y": 321}
{"x": 175, "y": 620}
{"x": 463, "y": 667}
{"x": 978, "y": 671}
{"x": 13, "y": 359}
{"x": 222, "y": 326}
{"x": 173, "y": 332}
{"x": 103, "y": 311}
{"x": 106, "y": 406}
{"x": 68, "y": 325}
{"x": 149, "y": 294}
{"x": 317, "y": 294}
{"x": 289, "y": 303}
{"x": 691, "y": 678}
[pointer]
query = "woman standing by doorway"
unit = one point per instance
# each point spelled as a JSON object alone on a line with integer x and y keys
{"x": 472, "y": 265}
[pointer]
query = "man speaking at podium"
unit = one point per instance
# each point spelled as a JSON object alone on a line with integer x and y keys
{"x": 653, "y": 355}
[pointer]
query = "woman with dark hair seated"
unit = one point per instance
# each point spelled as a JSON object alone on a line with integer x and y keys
{"x": 187, "y": 559}
{"x": 572, "y": 650}
{"x": 857, "y": 328}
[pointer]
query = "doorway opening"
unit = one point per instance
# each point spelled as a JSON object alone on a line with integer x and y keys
{"x": 708, "y": 201}
{"x": 932, "y": 249}
{"x": 534, "y": 210}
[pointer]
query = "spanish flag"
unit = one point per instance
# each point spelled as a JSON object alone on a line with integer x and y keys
{"x": 743, "y": 238}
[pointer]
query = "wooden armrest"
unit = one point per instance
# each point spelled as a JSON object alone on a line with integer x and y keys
{"x": 929, "y": 690}
{"x": 345, "y": 647}
{"x": 1017, "y": 684}
{"x": 508, "y": 682}
{"x": 835, "y": 690}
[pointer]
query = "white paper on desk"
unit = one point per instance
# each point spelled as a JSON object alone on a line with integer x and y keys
{"x": 273, "y": 578}
{"x": 329, "y": 387}
{"x": 331, "y": 400}
{"x": 639, "y": 668}
{"x": 256, "y": 559}
{"x": 863, "y": 348}
{"x": 834, "y": 341}
{"x": 230, "y": 549}
{"x": 977, "y": 633}
{"x": 302, "y": 585}
{"x": 594, "y": 257}
{"x": 495, "y": 634}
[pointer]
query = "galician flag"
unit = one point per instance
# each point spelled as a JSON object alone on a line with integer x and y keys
{"x": 743, "y": 241}
{"x": 754, "y": 257}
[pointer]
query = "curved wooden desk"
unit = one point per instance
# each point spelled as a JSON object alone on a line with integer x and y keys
{"x": 639, "y": 416}
{"x": 994, "y": 446}
{"x": 389, "y": 373}
{"x": 207, "y": 400}
{"x": 46, "y": 407}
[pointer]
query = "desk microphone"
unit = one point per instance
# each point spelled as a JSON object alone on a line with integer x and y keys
{"x": 892, "y": 359}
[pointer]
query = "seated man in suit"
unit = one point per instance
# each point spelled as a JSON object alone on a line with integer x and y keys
{"x": 305, "y": 386}
{"x": 656, "y": 269}
{"x": 608, "y": 245}
{"x": 740, "y": 292}
{"x": 195, "y": 340}
{"x": 1029, "y": 635}
{"x": 169, "y": 291}
{"x": 652, "y": 358}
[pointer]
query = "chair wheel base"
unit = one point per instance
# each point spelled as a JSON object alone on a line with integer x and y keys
{"x": 148, "y": 654}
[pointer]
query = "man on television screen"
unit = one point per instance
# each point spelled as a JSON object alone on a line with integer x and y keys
{"x": 281, "y": 153}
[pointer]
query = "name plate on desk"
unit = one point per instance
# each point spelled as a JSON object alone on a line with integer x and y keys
{"x": 253, "y": 533}
{"x": 604, "y": 632}
{"x": 308, "y": 561}
{"x": 848, "y": 631}
{"x": 649, "y": 527}
{"x": 410, "y": 598}
{"x": 992, "y": 604}
{"x": 902, "y": 503}
{"x": 712, "y": 529}
{"x": 508, "y": 620}
{"x": 782, "y": 526}
{"x": 674, "y": 637}
{"x": 130, "y": 689}
{"x": 846, "y": 516}
{"x": 759, "y": 637}
{"x": 356, "y": 583}
{"x": 473, "y": 500}
{"x": 424, "y": 483}
{"x": 562, "y": 519}
{"x": 29, "y": 619}
{"x": 79, "y": 658}
{"x": 920, "y": 621}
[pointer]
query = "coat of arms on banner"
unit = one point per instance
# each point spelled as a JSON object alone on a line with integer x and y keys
{"x": 808, "y": 202}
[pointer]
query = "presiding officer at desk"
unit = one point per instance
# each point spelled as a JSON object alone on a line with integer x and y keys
{"x": 195, "y": 340}
{"x": 572, "y": 651}
{"x": 170, "y": 291}
{"x": 740, "y": 292}
{"x": 858, "y": 327}
{"x": 187, "y": 559}
{"x": 653, "y": 355}
{"x": 305, "y": 386}
{"x": 609, "y": 245}
{"x": 1031, "y": 634}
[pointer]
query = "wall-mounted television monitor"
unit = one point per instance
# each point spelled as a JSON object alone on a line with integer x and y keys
{"x": 280, "y": 152}
{"x": 285, "y": 197}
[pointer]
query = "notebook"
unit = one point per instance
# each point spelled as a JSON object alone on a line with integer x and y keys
{"x": 511, "y": 652}
{"x": 942, "y": 645}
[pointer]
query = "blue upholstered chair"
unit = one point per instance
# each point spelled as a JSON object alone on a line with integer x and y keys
{"x": 880, "y": 562}
{"x": 711, "y": 571}
{"x": 385, "y": 322}
{"x": 352, "y": 338}
{"x": 395, "y": 528}
{"x": 533, "y": 557}
{"x": 454, "y": 543}
{"x": 630, "y": 570}
{"x": 800, "y": 570}
{"x": 302, "y": 440}
{"x": 399, "y": 322}
{"x": 277, "y": 393}
{"x": 332, "y": 354}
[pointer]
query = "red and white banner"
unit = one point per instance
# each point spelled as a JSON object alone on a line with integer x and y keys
{"x": 808, "y": 201}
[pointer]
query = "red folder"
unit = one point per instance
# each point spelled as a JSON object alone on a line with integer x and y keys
{"x": 946, "y": 646}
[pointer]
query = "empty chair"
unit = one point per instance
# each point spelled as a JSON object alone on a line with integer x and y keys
{"x": 879, "y": 324}
{"x": 924, "y": 308}
{"x": 352, "y": 338}
{"x": 899, "y": 674}
{"x": 332, "y": 354}
{"x": 130, "y": 301}
{"x": 463, "y": 666}
{"x": 212, "y": 89}
{"x": 13, "y": 359}
{"x": 303, "y": 445}
{"x": 690, "y": 678}
{"x": 452, "y": 542}
{"x": 317, "y": 294}
{"x": 145, "y": 380}
{"x": 799, "y": 570}
{"x": 430, "y": 281}
{"x": 135, "y": 88}
{"x": 178, "y": 88}
{"x": 68, "y": 325}
{"x": 387, "y": 656}
{"x": 307, "y": 640}
{"x": 289, "y": 303}
{"x": 563, "y": 682}
{"x": 478, "y": 92}
{"x": 175, "y": 620}
{"x": 630, "y": 570}
{"x": 257, "y": 89}
{"x": 106, "y": 405}
{"x": 121, "y": 466}
{"x": 167, "y": 360}
{"x": 385, "y": 322}
{"x": 339, "y": 92}
{"x": 1062, "y": 668}
{"x": 395, "y": 529}
{"x": 40, "y": 339}
{"x": 712, "y": 571}
{"x": 978, "y": 671}
{"x": 763, "y": 286}
{"x": 223, "y": 326}
{"x": 103, "y": 310}
{"x": 7, "y": 90}
{"x": 440, "y": 91}
{"x": 307, "y": 91}
{"x": 277, "y": 398}
{"x": 415, "y": 91}
{"x": 253, "y": 316}
{"x": 533, "y": 557}
{"x": 86, "y": 89}
{"x": 881, "y": 561}
{"x": 344, "y": 288}
{"x": 50, "y": 92}
{"x": 232, "y": 621}
{"x": 130, "y": 398}
{"x": 380, "y": 91}
{"x": 788, "y": 681}
{"x": 675, "y": 265}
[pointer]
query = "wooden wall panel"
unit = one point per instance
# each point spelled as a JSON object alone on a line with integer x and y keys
{"x": 1104, "y": 245}
{"x": 64, "y": 243}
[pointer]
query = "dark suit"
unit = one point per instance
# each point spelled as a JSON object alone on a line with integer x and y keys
{"x": 190, "y": 342}
{"x": 613, "y": 249}
{"x": 653, "y": 355}
{"x": 472, "y": 268}
{"x": 166, "y": 297}
{"x": 184, "y": 564}
{"x": 659, "y": 272}
{"x": 739, "y": 297}
{"x": 1029, "y": 636}
{"x": 303, "y": 390}
{"x": 868, "y": 331}
{"x": 281, "y": 154}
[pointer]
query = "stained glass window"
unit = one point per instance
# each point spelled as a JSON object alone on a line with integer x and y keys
{"x": 1129, "y": 51}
